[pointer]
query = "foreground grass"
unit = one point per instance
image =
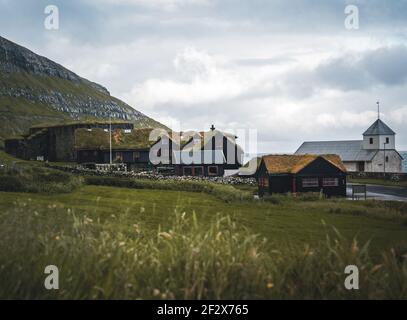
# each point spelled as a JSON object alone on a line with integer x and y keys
{"x": 113, "y": 243}
{"x": 193, "y": 257}
{"x": 290, "y": 221}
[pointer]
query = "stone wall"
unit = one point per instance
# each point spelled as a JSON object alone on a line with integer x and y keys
{"x": 150, "y": 175}
{"x": 378, "y": 175}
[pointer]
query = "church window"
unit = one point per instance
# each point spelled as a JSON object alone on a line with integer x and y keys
{"x": 371, "y": 140}
{"x": 387, "y": 140}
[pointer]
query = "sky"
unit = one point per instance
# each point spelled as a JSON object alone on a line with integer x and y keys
{"x": 291, "y": 70}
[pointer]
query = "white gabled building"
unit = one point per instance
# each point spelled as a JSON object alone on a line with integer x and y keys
{"x": 375, "y": 153}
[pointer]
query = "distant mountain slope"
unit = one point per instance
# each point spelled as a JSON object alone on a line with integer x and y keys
{"x": 35, "y": 90}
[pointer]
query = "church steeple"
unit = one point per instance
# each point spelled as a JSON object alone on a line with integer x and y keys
{"x": 379, "y": 135}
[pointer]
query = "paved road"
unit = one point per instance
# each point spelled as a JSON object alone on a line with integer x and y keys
{"x": 383, "y": 192}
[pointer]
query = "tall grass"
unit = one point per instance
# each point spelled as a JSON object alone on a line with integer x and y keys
{"x": 188, "y": 260}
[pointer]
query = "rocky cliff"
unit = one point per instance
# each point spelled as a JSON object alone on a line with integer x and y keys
{"x": 34, "y": 89}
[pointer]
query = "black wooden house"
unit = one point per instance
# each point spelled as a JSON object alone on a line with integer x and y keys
{"x": 302, "y": 173}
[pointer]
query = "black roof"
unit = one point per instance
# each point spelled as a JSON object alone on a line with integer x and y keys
{"x": 378, "y": 128}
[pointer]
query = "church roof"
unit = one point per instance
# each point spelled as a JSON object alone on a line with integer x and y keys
{"x": 347, "y": 150}
{"x": 378, "y": 128}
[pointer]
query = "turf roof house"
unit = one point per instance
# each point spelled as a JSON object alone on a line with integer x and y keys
{"x": 131, "y": 147}
{"x": 302, "y": 173}
{"x": 55, "y": 142}
{"x": 375, "y": 153}
{"x": 190, "y": 154}
{"x": 210, "y": 153}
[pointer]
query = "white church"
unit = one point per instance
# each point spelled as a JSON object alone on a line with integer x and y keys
{"x": 375, "y": 153}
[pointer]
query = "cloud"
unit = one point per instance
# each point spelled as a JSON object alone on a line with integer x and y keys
{"x": 384, "y": 66}
{"x": 287, "y": 68}
{"x": 197, "y": 79}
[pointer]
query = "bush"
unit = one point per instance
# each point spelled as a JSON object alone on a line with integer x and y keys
{"x": 11, "y": 183}
{"x": 37, "y": 180}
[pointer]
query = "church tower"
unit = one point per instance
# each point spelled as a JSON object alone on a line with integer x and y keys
{"x": 379, "y": 136}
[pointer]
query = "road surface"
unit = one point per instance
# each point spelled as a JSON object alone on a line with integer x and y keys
{"x": 382, "y": 192}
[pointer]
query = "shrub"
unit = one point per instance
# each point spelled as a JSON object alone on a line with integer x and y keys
{"x": 37, "y": 180}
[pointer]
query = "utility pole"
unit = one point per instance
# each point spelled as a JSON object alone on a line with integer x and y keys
{"x": 110, "y": 138}
{"x": 384, "y": 162}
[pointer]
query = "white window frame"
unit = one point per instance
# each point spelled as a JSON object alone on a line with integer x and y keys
{"x": 310, "y": 182}
{"x": 330, "y": 182}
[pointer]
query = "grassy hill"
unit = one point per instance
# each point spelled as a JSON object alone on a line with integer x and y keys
{"x": 36, "y": 90}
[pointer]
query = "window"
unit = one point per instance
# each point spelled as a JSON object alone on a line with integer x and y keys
{"x": 330, "y": 182}
{"x": 387, "y": 159}
{"x": 263, "y": 182}
{"x": 310, "y": 182}
{"x": 213, "y": 170}
{"x": 187, "y": 171}
{"x": 198, "y": 171}
{"x": 387, "y": 140}
{"x": 136, "y": 155}
{"x": 371, "y": 140}
{"x": 119, "y": 157}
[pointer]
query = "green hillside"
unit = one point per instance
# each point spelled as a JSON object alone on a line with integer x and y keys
{"x": 35, "y": 90}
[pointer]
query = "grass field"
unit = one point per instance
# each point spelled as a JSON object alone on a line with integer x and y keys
{"x": 292, "y": 222}
{"x": 117, "y": 238}
{"x": 125, "y": 243}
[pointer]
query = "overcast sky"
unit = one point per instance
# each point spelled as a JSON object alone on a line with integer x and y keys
{"x": 288, "y": 68}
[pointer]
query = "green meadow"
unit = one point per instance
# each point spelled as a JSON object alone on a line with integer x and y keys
{"x": 114, "y": 238}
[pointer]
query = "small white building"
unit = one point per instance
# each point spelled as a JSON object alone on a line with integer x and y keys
{"x": 375, "y": 153}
